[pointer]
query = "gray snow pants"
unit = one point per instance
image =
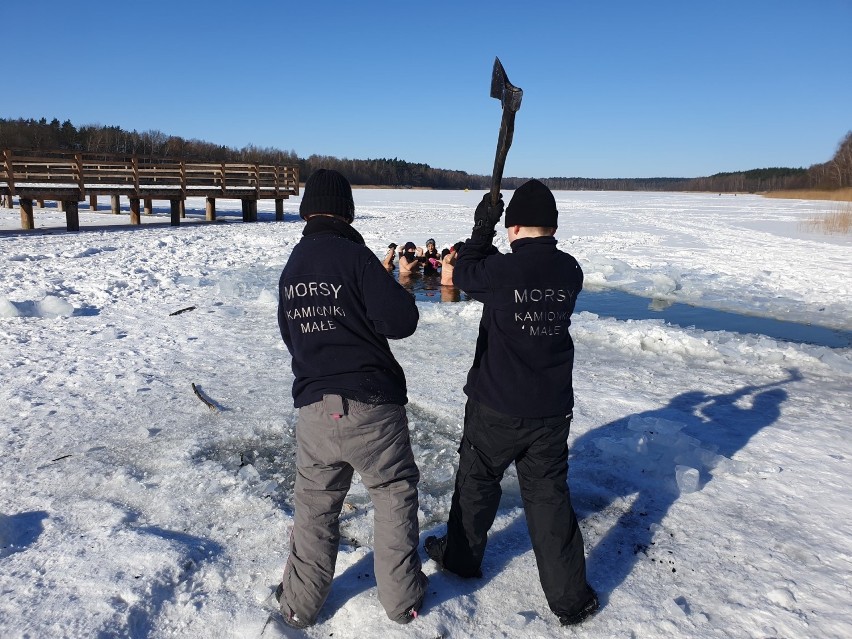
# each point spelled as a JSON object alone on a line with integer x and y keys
{"x": 335, "y": 437}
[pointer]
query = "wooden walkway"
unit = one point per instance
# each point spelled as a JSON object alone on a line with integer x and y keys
{"x": 70, "y": 178}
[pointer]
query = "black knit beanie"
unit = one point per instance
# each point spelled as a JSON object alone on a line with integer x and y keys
{"x": 532, "y": 205}
{"x": 327, "y": 191}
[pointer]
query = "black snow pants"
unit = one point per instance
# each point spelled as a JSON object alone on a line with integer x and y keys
{"x": 539, "y": 449}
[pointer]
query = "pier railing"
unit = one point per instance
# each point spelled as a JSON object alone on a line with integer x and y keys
{"x": 70, "y": 178}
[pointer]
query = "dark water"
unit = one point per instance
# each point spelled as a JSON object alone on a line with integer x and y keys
{"x": 624, "y": 306}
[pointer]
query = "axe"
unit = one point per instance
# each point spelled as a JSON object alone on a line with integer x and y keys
{"x": 510, "y": 99}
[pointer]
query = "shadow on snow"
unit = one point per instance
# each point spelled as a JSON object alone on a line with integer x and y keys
{"x": 635, "y": 456}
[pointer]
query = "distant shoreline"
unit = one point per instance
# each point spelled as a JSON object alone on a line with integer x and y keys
{"x": 836, "y": 195}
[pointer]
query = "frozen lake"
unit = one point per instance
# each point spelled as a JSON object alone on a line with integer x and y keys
{"x": 708, "y": 466}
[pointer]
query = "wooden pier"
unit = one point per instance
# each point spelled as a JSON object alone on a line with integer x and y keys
{"x": 70, "y": 178}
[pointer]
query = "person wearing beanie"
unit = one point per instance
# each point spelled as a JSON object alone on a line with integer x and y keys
{"x": 432, "y": 258}
{"x": 520, "y": 398}
{"x": 337, "y": 309}
{"x": 410, "y": 259}
{"x": 329, "y": 193}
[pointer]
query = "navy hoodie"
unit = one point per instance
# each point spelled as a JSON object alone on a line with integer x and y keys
{"x": 524, "y": 354}
{"x": 337, "y": 308}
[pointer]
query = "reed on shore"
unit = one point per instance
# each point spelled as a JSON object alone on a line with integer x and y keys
{"x": 836, "y": 222}
{"x": 836, "y": 195}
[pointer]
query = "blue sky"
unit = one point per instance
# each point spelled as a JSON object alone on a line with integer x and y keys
{"x": 611, "y": 88}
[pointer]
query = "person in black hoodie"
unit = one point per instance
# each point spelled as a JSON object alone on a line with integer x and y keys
{"x": 337, "y": 308}
{"x": 520, "y": 398}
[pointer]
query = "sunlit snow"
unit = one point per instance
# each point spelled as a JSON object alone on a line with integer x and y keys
{"x": 709, "y": 469}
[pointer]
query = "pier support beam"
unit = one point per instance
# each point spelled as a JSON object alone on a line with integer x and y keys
{"x": 249, "y": 210}
{"x": 175, "y": 205}
{"x": 72, "y": 215}
{"x": 279, "y": 209}
{"x": 93, "y": 201}
{"x": 135, "y": 218}
{"x": 27, "y": 222}
{"x": 149, "y": 206}
{"x": 211, "y": 209}
{"x": 115, "y": 202}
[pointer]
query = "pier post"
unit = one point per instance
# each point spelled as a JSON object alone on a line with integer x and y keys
{"x": 175, "y": 206}
{"x": 135, "y": 218}
{"x": 72, "y": 215}
{"x": 27, "y": 214}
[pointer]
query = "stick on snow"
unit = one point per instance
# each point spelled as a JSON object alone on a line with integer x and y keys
{"x": 183, "y": 310}
{"x": 198, "y": 394}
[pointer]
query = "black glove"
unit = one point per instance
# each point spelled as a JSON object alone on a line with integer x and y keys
{"x": 486, "y": 216}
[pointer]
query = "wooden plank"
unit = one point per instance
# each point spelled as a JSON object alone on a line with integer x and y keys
{"x": 43, "y": 159}
{"x": 42, "y": 169}
{"x": 48, "y": 193}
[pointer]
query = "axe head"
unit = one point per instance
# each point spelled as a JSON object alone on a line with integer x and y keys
{"x": 508, "y": 94}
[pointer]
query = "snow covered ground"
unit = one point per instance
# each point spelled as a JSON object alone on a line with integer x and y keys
{"x": 709, "y": 469}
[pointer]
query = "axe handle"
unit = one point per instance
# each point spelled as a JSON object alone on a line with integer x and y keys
{"x": 504, "y": 141}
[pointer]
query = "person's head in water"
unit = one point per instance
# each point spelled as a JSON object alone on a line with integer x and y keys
{"x": 410, "y": 260}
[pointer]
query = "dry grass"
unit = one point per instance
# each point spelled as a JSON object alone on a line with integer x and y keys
{"x": 836, "y": 222}
{"x": 838, "y": 195}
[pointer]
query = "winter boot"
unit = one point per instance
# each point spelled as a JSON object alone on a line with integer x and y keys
{"x": 289, "y": 617}
{"x": 434, "y": 547}
{"x": 586, "y": 610}
{"x": 411, "y": 614}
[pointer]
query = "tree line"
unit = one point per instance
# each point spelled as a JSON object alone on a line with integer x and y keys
{"x": 44, "y": 135}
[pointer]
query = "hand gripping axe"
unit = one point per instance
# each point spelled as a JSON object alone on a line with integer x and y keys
{"x": 510, "y": 99}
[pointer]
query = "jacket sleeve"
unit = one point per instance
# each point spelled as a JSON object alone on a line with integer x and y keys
{"x": 282, "y": 319}
{"x": 389, "y": 306}
{"x": 471, "y": 273}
